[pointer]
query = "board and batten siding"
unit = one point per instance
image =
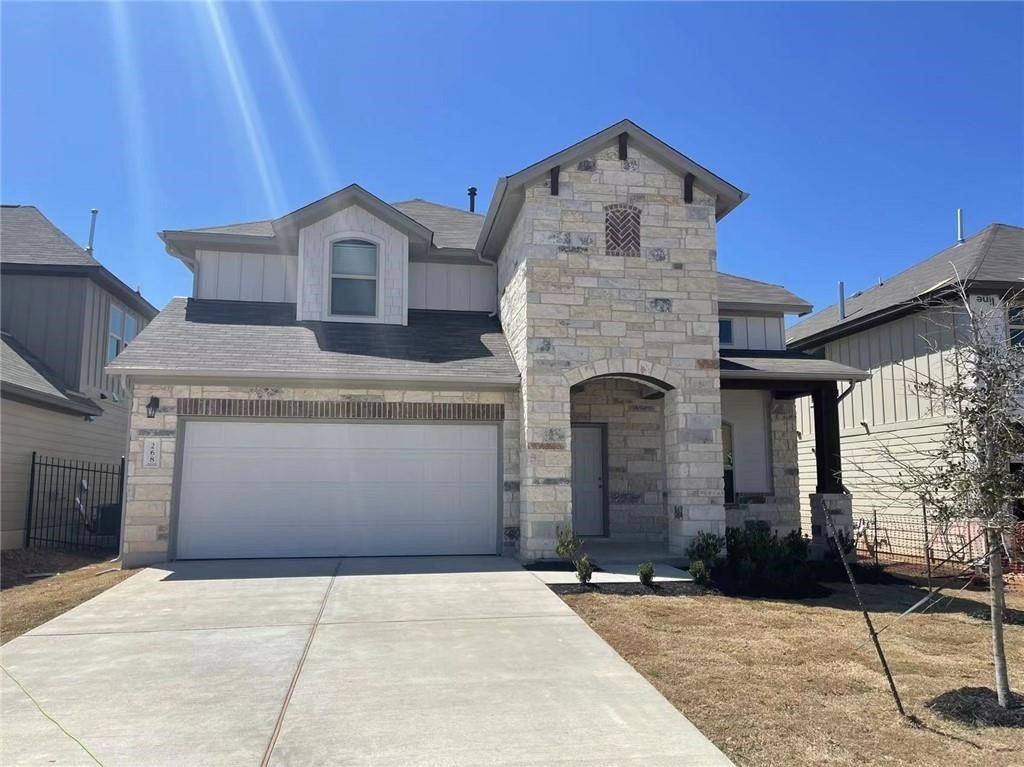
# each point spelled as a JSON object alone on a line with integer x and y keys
{"x": 28, "y": 428}
{"x": 44, "y": 313}
{"x": 755, "y": 332}
{"x": 452, "y": 287}
{"x": 95, "y": 334}
{"x": 246, "y": 276}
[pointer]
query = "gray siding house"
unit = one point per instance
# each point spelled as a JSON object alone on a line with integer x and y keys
{"x": 64, "y": 317}
{"x": 364, "y": 378}
{"x": 900, "y": 333}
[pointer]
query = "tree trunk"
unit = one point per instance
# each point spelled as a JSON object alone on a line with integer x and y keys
{"x": 997, "y": 585}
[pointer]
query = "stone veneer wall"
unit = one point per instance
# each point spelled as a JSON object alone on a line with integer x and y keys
{"x": 148, "y": 491}
{"x": 636, "y": 446}
{"x": 586, "y": 312}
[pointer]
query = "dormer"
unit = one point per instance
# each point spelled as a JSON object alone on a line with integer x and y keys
{"x": 349, "y": 257}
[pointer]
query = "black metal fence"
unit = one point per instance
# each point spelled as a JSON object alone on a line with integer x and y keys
{"x": 74, "y": 505}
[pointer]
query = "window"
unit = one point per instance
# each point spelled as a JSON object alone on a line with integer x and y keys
{"x": 1016, "y": 318}
{"x": 123, "y": 327}
{"x": 725, "y": 332}
{"x": 727, "y": 460}
{"x": 622, "y": 230}
{"x": 354, "y": 278}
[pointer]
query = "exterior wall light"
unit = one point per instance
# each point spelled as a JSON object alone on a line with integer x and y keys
{"x": 152, "y": 406}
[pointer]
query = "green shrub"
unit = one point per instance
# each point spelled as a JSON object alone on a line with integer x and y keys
{"x": 646, "y": 573}
{"x": 584, "y": 569}
{"x": 760, "y": 563}
{"x": 568, "y": 545}
{"x": 699, "y": 572}
{"x": 706, "y": 547}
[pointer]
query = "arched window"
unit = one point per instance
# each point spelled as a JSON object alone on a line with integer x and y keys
{"x": 622, "y": 230}
{"x": 727, "y": 461}
{"x": 354, "y": 278}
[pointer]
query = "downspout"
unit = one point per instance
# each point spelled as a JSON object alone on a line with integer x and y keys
{"x": 483, "y": 244}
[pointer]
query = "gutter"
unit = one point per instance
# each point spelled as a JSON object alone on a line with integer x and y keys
{"x": 286, "y": 375}
{"x": 489, "y": 221}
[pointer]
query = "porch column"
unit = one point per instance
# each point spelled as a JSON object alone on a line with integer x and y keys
{"x": 545, "y": 500}
{"x": 828, "y": 454}
{"x": 694, "y": 483}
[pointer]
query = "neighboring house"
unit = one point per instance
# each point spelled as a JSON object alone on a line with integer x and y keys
{"x": 64, "y": 317}
{"x": 901, "y": 333}
{"x": 359, "y": 378}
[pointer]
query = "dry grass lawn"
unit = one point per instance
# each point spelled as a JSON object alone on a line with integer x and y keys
{"x": 27, "y": 602}
{"x": 794, "y": 683}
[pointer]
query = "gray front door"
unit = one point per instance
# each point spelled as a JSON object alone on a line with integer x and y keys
{"x": 588, "y": 480}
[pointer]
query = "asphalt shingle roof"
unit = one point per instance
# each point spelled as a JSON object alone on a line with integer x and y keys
{"x": 29, "y": 237}
{"x": 21, "y": 370}
{"x": 789, "y": 368}
{"x": 258, "y": 339}
{"x": 995, "y": 254}
{"x": 743, "y": 290}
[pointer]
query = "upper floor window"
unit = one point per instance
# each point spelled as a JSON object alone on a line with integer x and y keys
{"x": 725, "y": 332}
{"x": 123, "y": 327}
{"x": 1016, "y": 318}
{"x": 354, "y": 278}
{"x": 622, "y": 230}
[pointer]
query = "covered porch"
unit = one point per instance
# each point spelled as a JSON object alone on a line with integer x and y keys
{"x": 619, "y": 477}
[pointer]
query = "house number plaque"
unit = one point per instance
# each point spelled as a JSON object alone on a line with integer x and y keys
{"x": 151, "y": 453}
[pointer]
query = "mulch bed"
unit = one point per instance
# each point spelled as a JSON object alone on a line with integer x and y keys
{"x": 978, "y": 707}
{"x": 667, "y": 589}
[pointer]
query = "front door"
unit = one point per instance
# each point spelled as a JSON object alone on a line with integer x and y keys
{"x": 588, "y": 480}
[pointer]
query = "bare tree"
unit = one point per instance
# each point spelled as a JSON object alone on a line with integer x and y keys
{"x": 966, "y": 475}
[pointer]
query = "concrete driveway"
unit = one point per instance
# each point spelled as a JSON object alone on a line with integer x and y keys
{"x": 431, "y": 661}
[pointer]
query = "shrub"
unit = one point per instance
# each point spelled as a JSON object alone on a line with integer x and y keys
{"x": 584, "y": 569}
{"x": 706, "y": 547}
{"x": 760, "y": 563}
{"x": 699, "y": 572}
{"x": 646, "y": 573}
{"x": 568, "y": 545}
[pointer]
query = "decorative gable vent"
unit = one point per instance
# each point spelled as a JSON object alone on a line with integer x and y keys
{"x": 622, "y": 230}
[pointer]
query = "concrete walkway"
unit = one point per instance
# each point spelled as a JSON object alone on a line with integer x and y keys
{"x": 425, "y": 661}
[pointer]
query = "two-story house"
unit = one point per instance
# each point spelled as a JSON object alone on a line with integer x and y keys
{"x": 902, "y": 331}
{"x": 64, "y": 317}
{"x": 365, "y": 378}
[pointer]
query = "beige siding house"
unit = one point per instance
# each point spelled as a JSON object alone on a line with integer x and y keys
{"x": 64, "y": 317}
{"x": 898, "y": 333}
{"x": 363, "y": 378}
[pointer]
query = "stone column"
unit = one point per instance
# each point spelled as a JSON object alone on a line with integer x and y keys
{"x": 693, "y": 467}
{"x": 545, "y": 500}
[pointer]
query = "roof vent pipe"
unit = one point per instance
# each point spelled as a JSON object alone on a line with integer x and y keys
{"x": 472, "y": 199}
{"x": 959, "y": 225}
{"x": 842, "y": 301}
{"x": 92, "y": 231}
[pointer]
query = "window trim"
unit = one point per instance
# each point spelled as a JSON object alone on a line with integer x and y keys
{"x": 732, "y": 331}
{"x": 120, "y": 337}
{"x": 1015, "y": 327}
{"x": 329, "y": 276}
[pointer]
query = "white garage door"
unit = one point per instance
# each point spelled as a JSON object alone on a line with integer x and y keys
{"x": 258, "y": 489}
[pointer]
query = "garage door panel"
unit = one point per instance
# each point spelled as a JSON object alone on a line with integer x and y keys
{"x": 251, "y": 489}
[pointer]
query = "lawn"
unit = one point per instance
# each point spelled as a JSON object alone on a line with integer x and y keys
{"x": 795, "y": 683}
{"x": 27, "y": 601}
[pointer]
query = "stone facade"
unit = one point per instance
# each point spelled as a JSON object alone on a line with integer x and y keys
{"x": 636, "y": 455}
{"x": 149, "y": 490}
{"x": 572, "y": 311}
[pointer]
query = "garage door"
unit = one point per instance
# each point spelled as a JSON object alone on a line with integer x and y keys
{"x": 258, "y": 489}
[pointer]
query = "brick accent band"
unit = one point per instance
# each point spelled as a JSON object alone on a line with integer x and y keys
{"x": 359, "y": 410}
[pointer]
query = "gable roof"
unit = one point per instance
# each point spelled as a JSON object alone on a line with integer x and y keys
{"x": 225, "y": 339}
{"x": 29, "y": 237}
{"x": 24, "y": 377}
{"x": 736, "y": 292}
{"x": 430, "y": 222}
{"x": 994, "y": 256}
{"x": 452, "y": 227}
{"x": 506, "y": 200}
{"x": 31, "y": 244}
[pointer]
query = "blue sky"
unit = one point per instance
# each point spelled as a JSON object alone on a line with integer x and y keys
{"x": 858, "y": 129}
